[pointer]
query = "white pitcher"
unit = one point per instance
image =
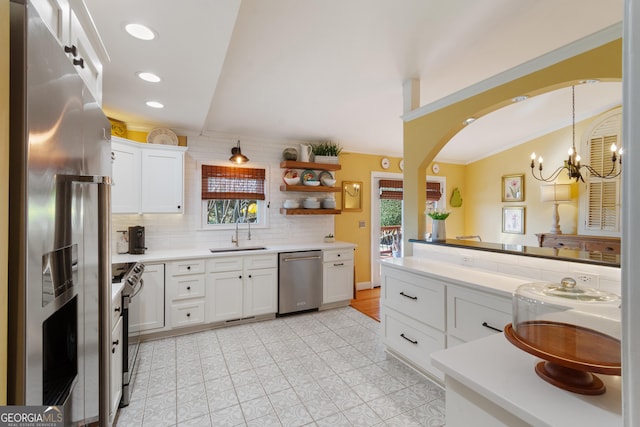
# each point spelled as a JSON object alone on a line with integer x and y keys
{"x": 305, "y": 153}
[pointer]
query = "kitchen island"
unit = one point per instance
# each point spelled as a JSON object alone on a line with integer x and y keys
{"x": 491, "y": 383}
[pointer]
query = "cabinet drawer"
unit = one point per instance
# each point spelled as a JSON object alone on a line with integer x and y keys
{"x": 185, "y": 314}
{"x": 337, "y": 255}
{"x": 472, "y": 315}
{"x": 413, "y": 340}
{"x": 116, "y": 309}
{"x": 179, "y": 268}
{"x": 224, "y": 264}
{"x": 416, "y": 296}
{"x": 604, "y": 247}
{"x": 261, "y": 261}
{"x": 187, "y": 287}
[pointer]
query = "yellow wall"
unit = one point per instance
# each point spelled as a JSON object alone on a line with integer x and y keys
{"x": 4, "y": 191}
{"x": 426, "y": 135}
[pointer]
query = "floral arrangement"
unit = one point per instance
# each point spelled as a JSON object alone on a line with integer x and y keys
{"x": 438, "y": 215}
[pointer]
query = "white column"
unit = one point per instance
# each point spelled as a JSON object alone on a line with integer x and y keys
{"x": 630, "y": 211}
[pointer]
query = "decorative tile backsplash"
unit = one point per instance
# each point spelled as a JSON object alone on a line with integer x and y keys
{"x": 538, "y": 269}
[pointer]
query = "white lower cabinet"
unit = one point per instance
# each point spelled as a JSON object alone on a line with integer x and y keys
{"x": 186, "y": 292}
{"x": 337, "y": 275}
{"x": 146, "y": 310}
{"x": 241, "y": 287}
{"x": 474, "y": 314}
{"x": 116, "y": 368}
{"x": 422, "y": 314}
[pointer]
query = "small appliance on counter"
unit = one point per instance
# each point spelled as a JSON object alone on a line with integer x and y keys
{"x": 136, "y": 240}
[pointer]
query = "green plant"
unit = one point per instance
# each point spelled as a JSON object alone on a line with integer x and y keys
{"x": 438, "y": 215}
{"x": 326, "y": 148}
{"x": 329, "y": 236}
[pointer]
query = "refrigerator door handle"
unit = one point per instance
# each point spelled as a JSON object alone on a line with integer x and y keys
{"x": 104, "y": 296}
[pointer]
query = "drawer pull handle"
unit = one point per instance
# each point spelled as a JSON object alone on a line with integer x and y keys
{"x": 486, "y": 325}
{"x": 408, "y": 296}
{"x": 409, "y": 339}
{"x": 340, "y": 264}
{"x": 117, "y": 309}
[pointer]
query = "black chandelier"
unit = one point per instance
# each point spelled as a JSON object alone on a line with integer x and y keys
{"x": 572, "y": 164}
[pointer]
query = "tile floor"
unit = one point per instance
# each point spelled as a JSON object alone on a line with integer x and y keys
{"x": 326, "y": 368}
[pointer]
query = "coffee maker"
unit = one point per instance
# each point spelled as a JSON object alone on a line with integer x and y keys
{"x": 136, "y": 240}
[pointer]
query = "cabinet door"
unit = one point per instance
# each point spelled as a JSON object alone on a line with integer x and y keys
{"x": 116, "y": 368}
{"x": 55, "y": 14}
{"x": 146, "y": 310}
{"x": 260, "y": 292}
{"x": 162, "y": 178}
{"x": 86, "y": 60}
{"x": 125, "y": 192}
{"x": 337, "y": 280}
{"x": 224, "y": 296}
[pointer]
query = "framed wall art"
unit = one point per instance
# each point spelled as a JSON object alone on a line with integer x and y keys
{"x": 513, "y": 220}
{"x": 513, "y": 188}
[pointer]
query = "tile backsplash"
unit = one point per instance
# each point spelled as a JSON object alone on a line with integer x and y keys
{"x": 538, "y": 269}
{"x": 176, "y": 231}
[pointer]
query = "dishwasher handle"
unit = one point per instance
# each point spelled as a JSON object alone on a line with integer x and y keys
{"x": 303, "y": 258}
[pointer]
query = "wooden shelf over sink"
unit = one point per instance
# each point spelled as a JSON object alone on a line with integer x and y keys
{"x": 310, "y": 211}
{"x": 292, "y": 164}
{"x": 310, "y": 189}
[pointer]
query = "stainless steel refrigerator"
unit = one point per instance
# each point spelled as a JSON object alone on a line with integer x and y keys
{"x": 59, "y": 257}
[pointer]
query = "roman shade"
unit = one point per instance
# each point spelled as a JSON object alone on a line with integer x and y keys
{"x": 226, "y": 182}
{"x": 391, "y": 189}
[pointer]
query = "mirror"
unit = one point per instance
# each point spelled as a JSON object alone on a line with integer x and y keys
{"x": 351, "y": 196}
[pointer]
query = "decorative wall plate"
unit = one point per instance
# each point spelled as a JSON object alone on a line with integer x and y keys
{"x": 162, "y": 136}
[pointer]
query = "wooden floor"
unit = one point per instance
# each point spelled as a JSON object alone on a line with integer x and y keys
{"x": 368, "y": 302}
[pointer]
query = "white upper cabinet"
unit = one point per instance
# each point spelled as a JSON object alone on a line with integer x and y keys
{"x": 71, "y": 24}
{"x": 147, "y": 178}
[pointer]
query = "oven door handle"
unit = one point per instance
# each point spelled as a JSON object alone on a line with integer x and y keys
{"x": 137, "y": 290}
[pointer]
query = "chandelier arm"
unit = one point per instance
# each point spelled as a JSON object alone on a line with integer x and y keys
{"x": 595, "y": 173}
{"x": 550, "y": 178}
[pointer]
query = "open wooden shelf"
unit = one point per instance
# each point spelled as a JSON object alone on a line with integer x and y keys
{"x": 292, "y": 164}
{"x": 310, "y": 189}
{"x": 310, "y": 211}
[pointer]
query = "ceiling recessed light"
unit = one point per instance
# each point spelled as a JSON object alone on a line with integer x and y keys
{"x": 140, "y": 31}
{"x": 520, "y": 98}
{"x": 148, "y": 77}
{"x": 155, "y": 104}
{"x": 589, "y": 81}
{"x": 469, "y": 121}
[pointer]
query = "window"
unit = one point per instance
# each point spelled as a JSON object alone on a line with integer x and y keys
{"x": 600, "y": 198}
{"x": 232, "y": 194}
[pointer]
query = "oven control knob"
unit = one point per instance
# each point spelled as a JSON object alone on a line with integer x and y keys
{"x": 131, "y": 282}
{"x": 137, "y": 268}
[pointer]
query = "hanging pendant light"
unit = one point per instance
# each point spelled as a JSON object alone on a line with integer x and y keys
{"x": 573, "y": 164}
{"x": 237, "y": 156}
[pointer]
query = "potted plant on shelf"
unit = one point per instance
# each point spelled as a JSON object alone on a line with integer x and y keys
{"x": 326, "y": 152}
{"x": 438, "y": 230}
{"x": 329, "y": 238}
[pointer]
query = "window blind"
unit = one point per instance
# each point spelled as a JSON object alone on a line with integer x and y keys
{"x": 391, "y": 189}
{"x": 225, "y": 182}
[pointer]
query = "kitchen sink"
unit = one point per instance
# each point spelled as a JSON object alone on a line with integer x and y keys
{"x": 237, "y": 249}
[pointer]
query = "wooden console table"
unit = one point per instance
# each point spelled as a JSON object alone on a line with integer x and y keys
{"x": 609, "y": 245}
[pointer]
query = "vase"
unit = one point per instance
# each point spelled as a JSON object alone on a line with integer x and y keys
{"x": 438, "y": 231}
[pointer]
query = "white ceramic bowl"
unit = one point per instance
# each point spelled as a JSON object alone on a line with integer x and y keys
{"x": 308, "y": 204}
{"x": 329, "y": 203}
{"x": 312, "y": 183}
{"x": 292, "y": 181}
{"x": 311, "y": 199}
{"x": 328, "y": 182}
{"x": 291, "y": 204}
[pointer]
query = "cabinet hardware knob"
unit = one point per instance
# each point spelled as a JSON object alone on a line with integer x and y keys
{"x": 488, "y": 326}
{"x": 249, "y": 276}
{"x": 78, "y": 62}
{"x": 116, "y": 342}
{"x": 188, "y": 288}
{"x": 178, "y": 206}
{"x": 409, "y": 339}
{"x": 73, "y": 50}
{"x": 188, "y": 314}
{"x": 117, "y": 309}
{"x": 239, "y": 277}
{"x": 188, "y": 267}
{"x": 409, "y": 296}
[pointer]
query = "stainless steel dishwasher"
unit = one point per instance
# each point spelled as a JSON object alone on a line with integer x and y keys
{"x": 299, "y": 281}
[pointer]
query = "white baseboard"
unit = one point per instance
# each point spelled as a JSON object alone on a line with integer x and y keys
{"x": 360, "y": 286}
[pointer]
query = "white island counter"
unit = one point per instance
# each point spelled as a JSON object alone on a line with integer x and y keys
{"x": 491, "y": 383}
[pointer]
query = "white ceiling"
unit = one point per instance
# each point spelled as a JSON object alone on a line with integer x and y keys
{"x": 334, "y": 69}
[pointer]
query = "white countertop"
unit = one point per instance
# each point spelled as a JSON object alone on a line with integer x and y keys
{"x": 504, "y": 374}
{"x": 496, "y": 283}
{"x": 174, "y": 254}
